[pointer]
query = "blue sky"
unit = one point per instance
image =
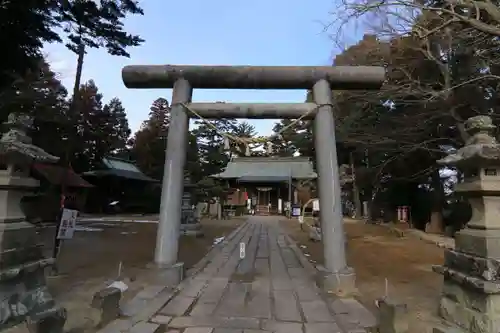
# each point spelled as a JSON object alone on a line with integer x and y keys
{"x": 216, "y": 32}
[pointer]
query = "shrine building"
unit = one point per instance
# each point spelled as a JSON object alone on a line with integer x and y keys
{"x": 270, "y": 183}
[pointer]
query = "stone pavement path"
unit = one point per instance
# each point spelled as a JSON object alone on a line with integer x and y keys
{"x": 271, "y": 289}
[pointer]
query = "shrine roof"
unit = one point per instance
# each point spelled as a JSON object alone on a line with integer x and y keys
{"x": 268, "y": 169}
{"x": 119, "y": 168}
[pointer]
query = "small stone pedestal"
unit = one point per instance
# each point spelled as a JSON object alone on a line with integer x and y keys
{"x": 470, "y": 300}
{"x": 342, "y": 283}
{"x": 24, "y": 296}
{"x": 167, "y": 275}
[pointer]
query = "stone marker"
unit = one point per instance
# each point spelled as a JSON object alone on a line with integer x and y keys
{"x": 107, "y": 300}
{"x": 470, "y": 300}
{"x": 315, "y": 231}
{"x": 391, "y": 316}
{"x": 23, "y": 291}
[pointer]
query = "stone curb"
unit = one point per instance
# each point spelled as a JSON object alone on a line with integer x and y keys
{"x": 431, "y": 239}
{"x": 423, "y": 236}
{"x": 300, "y": 255}
{"x": 97, "y": 220}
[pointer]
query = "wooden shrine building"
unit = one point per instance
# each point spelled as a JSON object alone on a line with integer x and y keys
{"x": 269, "y": 182}
{"x": 121, "y": 181}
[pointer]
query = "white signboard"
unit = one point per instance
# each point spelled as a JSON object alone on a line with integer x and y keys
{"x": 68, "y": 224}
{"x": 301, "y": 219}
{"x": 316, "y": 205}
{"x": 242, "y": 250}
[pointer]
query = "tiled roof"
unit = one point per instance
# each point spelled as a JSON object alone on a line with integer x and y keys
{"x": 119, "y": 168}
{"x": 120, "y": 174}
{"x": 268, "y": 169}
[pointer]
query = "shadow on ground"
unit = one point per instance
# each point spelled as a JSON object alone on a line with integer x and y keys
{"x": 92, "y": 258}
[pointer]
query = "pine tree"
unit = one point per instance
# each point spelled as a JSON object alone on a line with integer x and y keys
{"x": 97, "y": 24}
{"x": 243, "y": 130}
{"x": 101, "y": 130}
{"x": 149, "y": 143}
{"x": 211, "y": 144}
{"x": 118, "y": 129}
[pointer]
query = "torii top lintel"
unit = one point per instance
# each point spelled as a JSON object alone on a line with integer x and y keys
{"x": 254, "y": 77}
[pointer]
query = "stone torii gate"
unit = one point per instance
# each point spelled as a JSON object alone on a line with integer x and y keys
{"x": 321, "y": 80}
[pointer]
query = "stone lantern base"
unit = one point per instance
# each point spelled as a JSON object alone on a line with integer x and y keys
{"x": 24, "y": 296}
{"x": 23, "y": 290}
{"x": 470, "y": 300}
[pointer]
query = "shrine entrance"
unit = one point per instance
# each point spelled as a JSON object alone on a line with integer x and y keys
{"x": 319, "y": 80}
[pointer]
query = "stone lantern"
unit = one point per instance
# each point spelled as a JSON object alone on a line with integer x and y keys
{"x": 24, "y": 296}
{"x": 190, "y": 223}
{"x": 470, "y": 299}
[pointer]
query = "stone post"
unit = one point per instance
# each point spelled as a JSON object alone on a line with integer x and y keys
{"x": 167, "y": 237}
{"x": 24, "y": 296}
{"x": 338, "y": 277}
{"x": 470, "y": 299}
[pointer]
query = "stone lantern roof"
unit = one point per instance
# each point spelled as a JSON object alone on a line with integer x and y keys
{"x": 480, "y": 150}
{"x": 16, "y": 145}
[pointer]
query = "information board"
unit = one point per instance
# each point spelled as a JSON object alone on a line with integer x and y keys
{"x": 68, "y": 224}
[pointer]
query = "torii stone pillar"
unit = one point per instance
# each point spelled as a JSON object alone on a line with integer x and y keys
{"x": 321, "y": 80}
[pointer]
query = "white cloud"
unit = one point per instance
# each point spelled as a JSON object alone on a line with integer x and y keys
{"x": 63, "y": 64}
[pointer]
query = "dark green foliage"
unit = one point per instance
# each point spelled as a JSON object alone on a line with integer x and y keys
{"x": 24, "y": 27}
{"x": 149, "y": 143}
{"x": 98, "y": 24}
{"x": 99, "y": 130}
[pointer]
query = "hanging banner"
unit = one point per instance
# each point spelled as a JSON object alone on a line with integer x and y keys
{"x": 68, "y": 224}
{"x": 316, "y": 205}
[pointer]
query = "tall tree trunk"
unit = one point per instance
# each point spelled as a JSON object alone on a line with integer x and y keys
{"x": 78, "y": 77}
{"x": 71, "y": 119}
{"x": 73, "y": 108}
{"x": 355, "y": 190}
{"x": 436, "y": 224}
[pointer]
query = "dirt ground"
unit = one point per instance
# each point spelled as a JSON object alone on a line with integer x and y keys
{"x": 376, "y": 254}
{"x": 92, "y": 258}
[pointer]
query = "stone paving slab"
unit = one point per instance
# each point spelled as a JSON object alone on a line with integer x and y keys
{"x": 271, "y": 289}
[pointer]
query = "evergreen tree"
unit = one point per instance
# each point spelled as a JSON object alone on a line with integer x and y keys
{"x": 149, "y": 143}
{"x": 101, "y": 130}
{"x": 211, "y": 144}
{"x": 26, "y": 25}
{"x": 117, "y": 126}
{"x": 242, "y": 130}
{"x": 42, "y": 96}
{"x": 96, "y": 24}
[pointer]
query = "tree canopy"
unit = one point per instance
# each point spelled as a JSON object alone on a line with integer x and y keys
{"x": 441, "y": 66}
